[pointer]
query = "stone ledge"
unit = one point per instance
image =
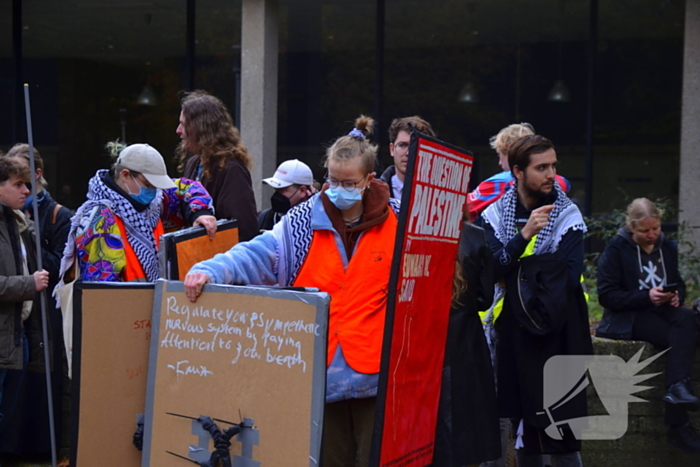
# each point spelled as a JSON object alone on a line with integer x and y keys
{"x": 644, "y": 444}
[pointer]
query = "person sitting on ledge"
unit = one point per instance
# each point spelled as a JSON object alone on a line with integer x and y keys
{"x": 642, "y": 292}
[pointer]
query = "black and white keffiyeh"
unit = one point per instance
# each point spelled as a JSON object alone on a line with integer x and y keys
{"x": 564, "y": 217}
{"x": 296, "y": 233}
{"x": 501, "y": 216}
{"x": 139, "y": 225}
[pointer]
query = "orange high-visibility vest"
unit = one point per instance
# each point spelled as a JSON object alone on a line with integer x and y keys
{"x": 358, "y": 294}
{"x": 133, "y": 270}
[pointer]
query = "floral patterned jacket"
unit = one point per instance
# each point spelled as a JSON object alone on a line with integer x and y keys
{"x": 99, "y": 244}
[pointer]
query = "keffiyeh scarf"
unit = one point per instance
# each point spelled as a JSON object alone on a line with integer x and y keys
{"x": 139, "y": 225}
{"x": 501, "y": 216}
{"x": 564, "y": 217}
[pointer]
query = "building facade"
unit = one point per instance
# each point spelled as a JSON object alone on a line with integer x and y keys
{"x": 606, "y": 81}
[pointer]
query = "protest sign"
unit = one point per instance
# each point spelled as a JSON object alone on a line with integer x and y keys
{"x": 433, "y": 202}
{"x": 111, "y": 337}
{"x": 181, "y": 250}
{"x": 255, "y": 355}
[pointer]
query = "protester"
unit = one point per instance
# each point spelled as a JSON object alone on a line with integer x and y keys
{"x": 211, "y": 151}
{"x": 400, "y": 137}
{"x": 636, "y": 266}
{"x": 53, "y": 225}
{"x": 493, "y": 187}
{"x": 20, "y": 320}
{"x": 468, "y": 428}
{"x": 535, "y": 228}
{"x": 293, "y": 182}
{"x": 54, "y": 219}
{"x": 114, "y": 235}
{"x": 340, "y": 242}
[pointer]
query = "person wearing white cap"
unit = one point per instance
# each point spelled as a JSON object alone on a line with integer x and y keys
{"x": 114, "y": 235}
{"x": 293, "y": 182}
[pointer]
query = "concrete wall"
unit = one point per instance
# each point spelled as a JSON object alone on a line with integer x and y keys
{"x": 259, "y": 67}
{"x": 689, "y": 192}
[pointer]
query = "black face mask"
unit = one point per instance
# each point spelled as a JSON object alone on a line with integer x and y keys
{"x": 280, "y": 203}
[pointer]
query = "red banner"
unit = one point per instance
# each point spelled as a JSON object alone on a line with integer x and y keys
{"x": 434, "y": 199}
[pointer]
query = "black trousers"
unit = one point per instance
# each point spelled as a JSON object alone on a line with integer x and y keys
{"x": 666, "y": 327}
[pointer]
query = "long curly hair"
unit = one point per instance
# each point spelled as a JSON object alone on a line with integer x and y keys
{"x": 208, "y": 122}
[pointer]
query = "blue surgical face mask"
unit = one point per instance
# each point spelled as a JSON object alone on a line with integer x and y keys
{"x": 145, "y": 195}
{"x": 342, "y": 198}
{"x": 28, "y": 203}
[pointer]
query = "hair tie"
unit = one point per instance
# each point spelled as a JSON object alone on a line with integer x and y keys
{"x": 355, "y": 133}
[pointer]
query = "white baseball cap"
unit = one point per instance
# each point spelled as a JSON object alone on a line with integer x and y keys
{"x": 146, "y": 159}
{"x": 291, "y": 173}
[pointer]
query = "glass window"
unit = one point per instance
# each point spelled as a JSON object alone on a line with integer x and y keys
{"x": 7, "y": 93}
{"x": 326, "y": 76}
{"x": 471, "y": 68}
{"x": 638, "y": 102}
{"x": 100, "y": 71}
{"x": 218, "y": 51}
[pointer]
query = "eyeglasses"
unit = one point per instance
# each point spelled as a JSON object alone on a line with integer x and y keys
{"x": 142, "y": 181}
{"x": 401, "y": 149}
{"x": 347, "y": 185}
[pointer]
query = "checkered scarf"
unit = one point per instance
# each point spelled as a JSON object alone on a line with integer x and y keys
{"x": 139, "y": 225}
{"x": 564, "y": 216}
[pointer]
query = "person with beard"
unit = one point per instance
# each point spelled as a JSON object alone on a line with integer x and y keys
{"x": 633, "y": 271}
{"x": 211, "y": 152}
{"x": 341, "y": 242}
{"x": 535, "y": 227}
{"x": 492, "y": 188}
{"x": 293, "y": 182}
{"x": 400, "y": 137}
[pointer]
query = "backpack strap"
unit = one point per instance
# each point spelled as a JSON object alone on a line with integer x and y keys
{"x": 55, "y": 213}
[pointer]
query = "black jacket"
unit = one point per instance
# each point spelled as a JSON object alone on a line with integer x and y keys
{"x": 386, "y": 178}
{"x": 232, "y": 191}
{"x": 467, "y": 430}
{"x": 268, "y": 218}
{"x": 522, "y": 354}
{"x": 53, "y": 235}
{"x": 618, "y": 283}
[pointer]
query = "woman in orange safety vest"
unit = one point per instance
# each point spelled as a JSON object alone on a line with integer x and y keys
{"x": 340, "y": 241}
